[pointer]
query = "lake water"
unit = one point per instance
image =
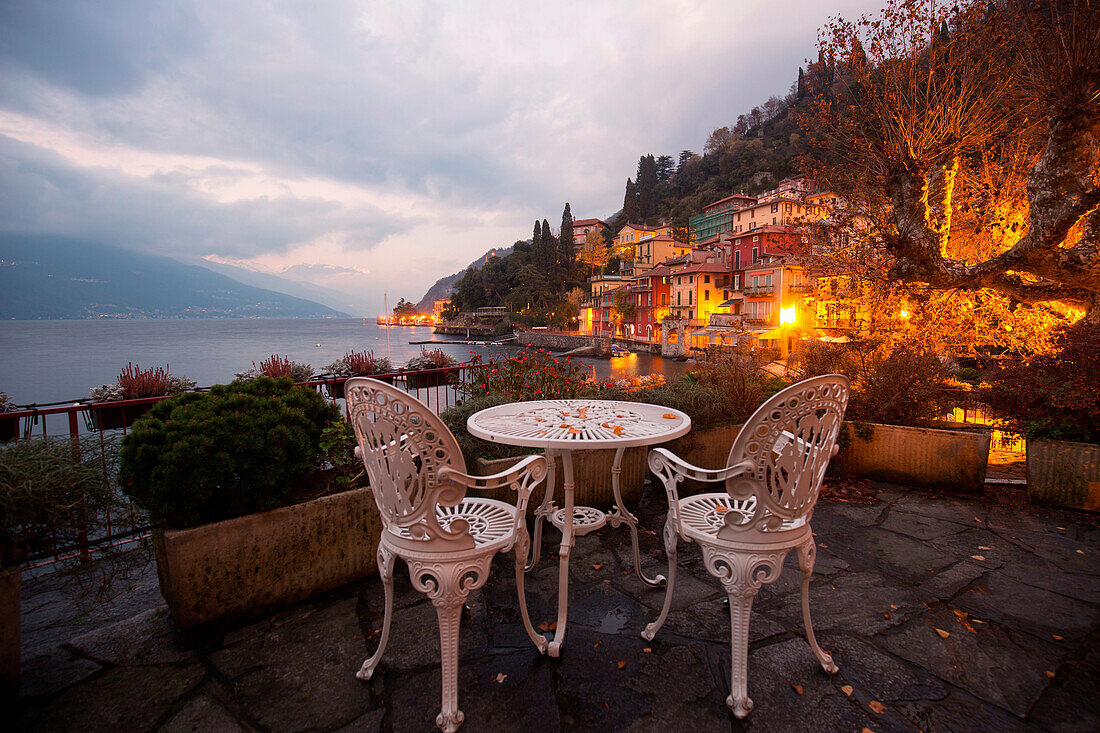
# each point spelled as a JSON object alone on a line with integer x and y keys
{"x": 54, "y": 361}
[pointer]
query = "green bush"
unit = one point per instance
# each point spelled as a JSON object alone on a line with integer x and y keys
{"x": 52, "y": 491}
{"x": 237, "y": 449}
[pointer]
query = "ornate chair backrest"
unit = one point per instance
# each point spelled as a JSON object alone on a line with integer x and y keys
{"x": 403, "y": 445}
{"x": 789, "y": 441}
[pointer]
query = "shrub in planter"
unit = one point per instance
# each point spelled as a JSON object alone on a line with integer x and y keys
{"x": 898, "y": 385}
{"x": 237, "y": 449}
{"x": 276, "y": 366}
{"x": 133, "y": 383}
{"x": 1053, "y": 396}
{"x": 427, "y": 360}
{"x": 356, "y": 364}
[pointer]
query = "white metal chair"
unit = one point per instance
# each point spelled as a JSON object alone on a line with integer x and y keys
{"x": 446, "y": 538}
{"x": 772, "y": 479}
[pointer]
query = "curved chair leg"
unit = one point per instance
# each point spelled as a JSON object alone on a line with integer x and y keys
{"x": 523, "y": 543}
{"x": 385, "y": 569}
{"x": 622, "y": 515}
{"x": 807, "y": 553}
{"x": 448, "y": 585}
{"x": 740, "y": 611}
{"x": 670, "y": 550}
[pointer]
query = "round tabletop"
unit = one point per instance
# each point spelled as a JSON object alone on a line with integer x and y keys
{"x": 578, "y": 424}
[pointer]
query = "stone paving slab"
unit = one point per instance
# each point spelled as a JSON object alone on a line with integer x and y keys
{"x": 1019, "y": 648}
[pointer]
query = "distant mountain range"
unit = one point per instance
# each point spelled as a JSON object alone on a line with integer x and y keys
{"x": 63, "y": 278}
{"x": 444, "y": 285}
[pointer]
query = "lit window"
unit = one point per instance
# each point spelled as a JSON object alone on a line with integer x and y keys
{"x": 706, "y": 278}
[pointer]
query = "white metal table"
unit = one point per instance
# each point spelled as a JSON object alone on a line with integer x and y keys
{"x": 561, "y": 427}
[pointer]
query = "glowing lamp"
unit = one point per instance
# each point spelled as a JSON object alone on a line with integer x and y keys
{"x": 904, "y": 314}
{"x": 786, "y": 315}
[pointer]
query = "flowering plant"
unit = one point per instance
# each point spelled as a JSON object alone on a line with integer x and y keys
{"x": 6, "y": 403}
{"x": 434, "y": 359}
{"x": 135, "y": 382}
{"x": 361, "y": 363}
{"x": 529, "y": 375}
{"x": 277, "y": 366}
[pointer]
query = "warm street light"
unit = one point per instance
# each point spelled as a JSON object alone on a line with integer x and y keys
{"x": 904, "y": 314}
{"x": 786, "y": 316}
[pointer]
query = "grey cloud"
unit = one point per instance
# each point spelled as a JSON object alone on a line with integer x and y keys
{"x": 41, "y": 193}
{"x": 107, "y": 47}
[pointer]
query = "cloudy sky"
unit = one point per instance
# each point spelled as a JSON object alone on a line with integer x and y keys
{"x": 368, "y": 146}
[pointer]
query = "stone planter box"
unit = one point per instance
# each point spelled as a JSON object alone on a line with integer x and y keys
{"x": 591, "y": 476}
{"x": 947, "y": 459}
{"x": 10, "y": 589}
{"x": 103, "y": 416}
{"x": 420, "y": 380}
{"x": 335, "y": 389}
{"x": 9, "y": 428}
{"x": 233, "y": 570}
{"x": 1064, "y": 473}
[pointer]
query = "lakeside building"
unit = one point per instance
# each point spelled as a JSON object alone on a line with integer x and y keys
{"x": 740, "y": 279}
{"x": 581, "y": 228}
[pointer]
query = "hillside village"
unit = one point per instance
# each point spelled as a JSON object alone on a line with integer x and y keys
{"x": 736, "y": 275}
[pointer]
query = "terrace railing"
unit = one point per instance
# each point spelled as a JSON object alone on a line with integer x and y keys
{"x": 84, "y": 421}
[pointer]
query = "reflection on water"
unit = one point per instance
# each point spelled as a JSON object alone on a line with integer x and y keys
{"x": 48, "y": 361}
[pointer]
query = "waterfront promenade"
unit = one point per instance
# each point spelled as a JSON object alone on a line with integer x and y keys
{"x": 943, "y": 613}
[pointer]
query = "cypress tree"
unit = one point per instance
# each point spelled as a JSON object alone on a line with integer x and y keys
{"x": 630, "y": 203}
{"x": 567, "y": 255}
{"x": 536, "y": 243}
{"x": 647, "y": 187}
{"x": 549, "y": 253}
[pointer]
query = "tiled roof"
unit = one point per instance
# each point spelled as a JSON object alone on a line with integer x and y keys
{"x": 588, "y": 222}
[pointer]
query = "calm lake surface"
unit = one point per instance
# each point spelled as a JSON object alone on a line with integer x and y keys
{"x": 53, "y": 361}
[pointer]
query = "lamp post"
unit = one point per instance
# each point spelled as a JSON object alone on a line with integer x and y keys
{"x": 786, "y": 319}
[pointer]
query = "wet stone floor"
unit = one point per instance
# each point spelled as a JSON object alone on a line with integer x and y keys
{"x": 942, "y": 614}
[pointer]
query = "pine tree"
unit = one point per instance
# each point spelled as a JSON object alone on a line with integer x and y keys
{"x": 567, "y": 254}
{"x": 685, "y": 156}
{"x": 801, "y": 88}
{"x": 630, "y": 203}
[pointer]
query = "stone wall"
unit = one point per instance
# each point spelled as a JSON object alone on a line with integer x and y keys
{"x": 553, "y": 341}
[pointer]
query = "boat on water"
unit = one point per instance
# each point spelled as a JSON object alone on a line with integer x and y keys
{"x": 617, "y": 350}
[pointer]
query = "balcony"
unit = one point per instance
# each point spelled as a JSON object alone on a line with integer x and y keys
{"x": 801, "y": 288}
{"x": 759, "y": 291}
{"x": 757, "y": 320}
{"x": 725, "y": 319}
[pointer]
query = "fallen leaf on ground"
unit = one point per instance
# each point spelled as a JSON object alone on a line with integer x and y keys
{"x": 597, "y": 566}
{"x": 877, "y": 706}
{"x": 621, "y": 663}
{"x": 1080, "y": 552}
{"x": 866, "y": 730}
{"x": 647, "y": 650}
{"x": 983, "y": 547}
{"x": 847, "y": 690}
{"x": 977, "y": 557}
{"x": 1048, "y": 673}
{"x": 500, "y": 678}
{"x": 797, "y": 688}
{"x": 893, "y": 607}
{"x": 886, "y": 614}
{"x": 1056, "y": 637}
{"x": 943, "y": 634}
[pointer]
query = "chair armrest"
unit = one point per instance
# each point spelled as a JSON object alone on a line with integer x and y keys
{"x": 523, "y": 477}
{"x": 681, "y": 469}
